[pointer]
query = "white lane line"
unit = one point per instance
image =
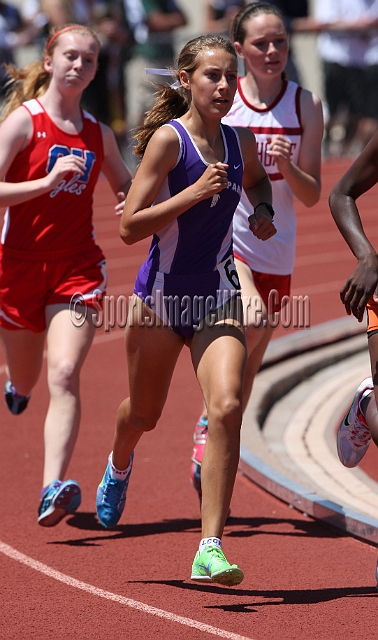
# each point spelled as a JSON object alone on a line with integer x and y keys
{"x": 318, "y": 288}
{"x": 108, "y": 595}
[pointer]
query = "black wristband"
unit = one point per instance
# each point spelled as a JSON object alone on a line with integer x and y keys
{"x": 268, "y": 206}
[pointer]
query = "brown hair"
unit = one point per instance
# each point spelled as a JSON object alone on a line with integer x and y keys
{"x": 173, "y": 103}
{"x": 32, "y": 81}
{"x": 238, "y": 28}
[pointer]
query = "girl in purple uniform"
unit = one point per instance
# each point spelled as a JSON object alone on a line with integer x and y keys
{"x": 187, "y": 292}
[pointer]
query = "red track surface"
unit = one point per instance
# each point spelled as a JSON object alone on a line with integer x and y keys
{"x": 303, "y": 580}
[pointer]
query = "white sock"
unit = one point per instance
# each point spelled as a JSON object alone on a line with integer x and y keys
{"x": 116, "y": 473}
{"x": 212, "y": 542}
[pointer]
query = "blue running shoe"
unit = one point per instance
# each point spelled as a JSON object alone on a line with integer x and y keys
{"x": 111, "y": 497}
{"x": 59, "y": 500}
{"x": 15, "y": 402}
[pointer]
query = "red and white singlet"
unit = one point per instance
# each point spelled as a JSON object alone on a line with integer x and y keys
{"x": 275, "y": 256}
{"x": 58, "y": 223}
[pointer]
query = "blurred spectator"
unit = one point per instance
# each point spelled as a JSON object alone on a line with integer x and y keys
{"x": 33, "y": 15}
{"x": 14, "y": 32}
{"x": 220, "y": 13}
{"x": 62, "y": 12}
{"x": 105, "y": 96}
{"x": 154, "y": 49}
{"x": 136, "y": 19}
{"x": 348, "y": 47}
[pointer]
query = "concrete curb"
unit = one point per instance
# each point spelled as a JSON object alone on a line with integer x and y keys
{"x": 306, "y": 501}
{"x": 299, "y": 355}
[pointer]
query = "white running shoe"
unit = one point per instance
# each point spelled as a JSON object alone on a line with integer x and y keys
{"x": 353, "y": 436}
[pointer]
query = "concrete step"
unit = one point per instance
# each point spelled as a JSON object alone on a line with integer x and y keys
{"x": 288, "y": 443}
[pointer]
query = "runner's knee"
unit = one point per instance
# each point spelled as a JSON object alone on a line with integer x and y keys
{"x": 146, "y": 421}
{"x": 227, "y": 410}
{"x": 63, "y": 377}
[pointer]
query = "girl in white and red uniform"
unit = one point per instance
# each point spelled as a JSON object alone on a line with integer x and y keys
{"x": 51, "y": 155}
{"x": 288, "y": 125}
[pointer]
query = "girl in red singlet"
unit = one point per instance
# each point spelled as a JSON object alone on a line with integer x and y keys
{"x": 51, "y": 155}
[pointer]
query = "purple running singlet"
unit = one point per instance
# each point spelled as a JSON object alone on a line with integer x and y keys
{"x": 189, "y": 270}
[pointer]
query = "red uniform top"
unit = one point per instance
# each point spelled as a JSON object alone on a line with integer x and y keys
{"x": 58, "y": 223}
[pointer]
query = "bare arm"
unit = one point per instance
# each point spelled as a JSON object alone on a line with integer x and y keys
{"x": 362, "y": 24}
{"x": 257, "y": 186}
{"x": 15, "y": 133}
{"x": 360, "y": 177}
{"x": 140, "y": 219}
{"x": 312, "y": 25}
{"x": 304, "y": 178}
{"x": 115, "y": 170}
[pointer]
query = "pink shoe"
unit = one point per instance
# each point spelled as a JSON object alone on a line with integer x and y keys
{"x": 199, "y": 437}
{"x": 195, "y": 479}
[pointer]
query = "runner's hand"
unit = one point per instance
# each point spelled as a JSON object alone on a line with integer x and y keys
{"x": 280, "y": 149}
{"x": 213, "y": 180}
{"x": 261, "y": 225}
{"x": 64, "y": 165}
{"x": 360, "y": 287}
{"x": 121, "y": 203}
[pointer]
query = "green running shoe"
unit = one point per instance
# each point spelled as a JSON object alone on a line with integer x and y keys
{"x": 212, "y": 566}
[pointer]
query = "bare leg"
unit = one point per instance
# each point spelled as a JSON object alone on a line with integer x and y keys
{"x": 257, "y": 339}
{"x": 365, "y": 131}
{"x": 23, "y": 351}
{"x": 152, "y": 353}
{"x": 219, "y": 355}
{"x": 67, "y": 348}
{"x": 257, "y": 335}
